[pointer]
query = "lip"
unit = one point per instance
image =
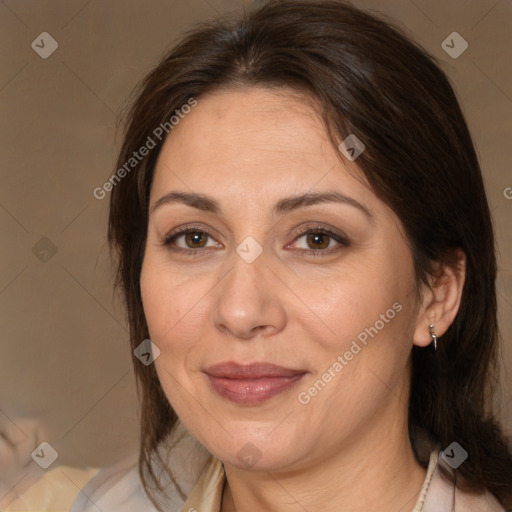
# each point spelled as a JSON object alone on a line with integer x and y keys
{"x": 253, "y": 383}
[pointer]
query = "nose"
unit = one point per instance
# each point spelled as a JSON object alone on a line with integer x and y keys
{"x": 249, "y": 300}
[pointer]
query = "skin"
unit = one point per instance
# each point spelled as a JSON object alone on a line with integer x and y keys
{"x": 348, "y": 448}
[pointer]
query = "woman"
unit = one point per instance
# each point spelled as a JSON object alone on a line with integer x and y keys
{"x": 306, "y": 253}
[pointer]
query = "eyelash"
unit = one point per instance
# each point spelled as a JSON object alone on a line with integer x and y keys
{"x": 320, "y": 229}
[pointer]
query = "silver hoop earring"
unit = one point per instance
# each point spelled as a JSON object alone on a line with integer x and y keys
{"x": 433, "y": 336}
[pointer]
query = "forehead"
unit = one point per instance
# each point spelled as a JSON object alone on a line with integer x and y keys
{"x": 263, "y": 141}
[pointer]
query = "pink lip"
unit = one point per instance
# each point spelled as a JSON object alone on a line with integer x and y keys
{"x": 251, "y": 384}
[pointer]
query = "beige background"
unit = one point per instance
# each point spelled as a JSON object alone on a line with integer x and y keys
{"x": 65, "y": 359}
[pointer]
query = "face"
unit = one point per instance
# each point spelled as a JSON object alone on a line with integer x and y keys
{"x": 279, "y": 289}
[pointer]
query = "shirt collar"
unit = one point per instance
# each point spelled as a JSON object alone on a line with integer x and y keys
{"x": 206, "y": 496}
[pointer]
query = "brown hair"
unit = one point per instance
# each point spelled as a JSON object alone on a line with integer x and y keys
{"x": 372, "y": 81}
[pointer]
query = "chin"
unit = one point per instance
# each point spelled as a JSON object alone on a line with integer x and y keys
{"x": 255, "y": 452}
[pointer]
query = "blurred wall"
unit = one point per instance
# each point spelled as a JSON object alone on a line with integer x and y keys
{"x": 65, "y": 360}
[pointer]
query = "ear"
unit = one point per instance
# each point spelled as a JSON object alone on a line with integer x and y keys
{"x": 440, "y": 303}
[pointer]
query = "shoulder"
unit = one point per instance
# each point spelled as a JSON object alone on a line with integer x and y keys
{"x": 119, "y": 486}
{"x": 444, "y": 496}
{"x": 485, "y": 502}
{"x": 55, "y": 490}
{"x": 116, "y": 487}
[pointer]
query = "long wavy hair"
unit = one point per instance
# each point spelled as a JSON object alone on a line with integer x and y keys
{"x": 371, "y": 81}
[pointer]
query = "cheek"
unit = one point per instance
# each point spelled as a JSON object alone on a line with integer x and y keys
{"x": 171, "y": 309}
{"x": 172, "y": 303}
{"x": 360, "y": 297}
{"x": 370, "y": 315}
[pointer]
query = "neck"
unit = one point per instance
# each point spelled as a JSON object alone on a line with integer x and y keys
{"x": 374, "y": 471}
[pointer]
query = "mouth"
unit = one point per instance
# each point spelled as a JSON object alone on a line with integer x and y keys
{"x": 251, "y": 384}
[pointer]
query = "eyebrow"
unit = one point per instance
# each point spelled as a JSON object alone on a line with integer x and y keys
{"x": 209, "y": 204}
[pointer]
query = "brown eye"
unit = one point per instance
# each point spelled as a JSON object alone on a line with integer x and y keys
{"x": 195, "y": 239}
{"x": 189, "y": 240}
{"x": 318, "y": 240}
